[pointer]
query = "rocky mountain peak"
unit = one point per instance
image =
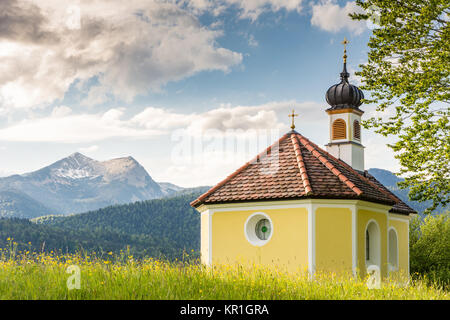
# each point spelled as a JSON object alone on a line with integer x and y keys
{"x": 78, "y": 183}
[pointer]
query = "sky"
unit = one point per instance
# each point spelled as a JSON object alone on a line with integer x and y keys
{"x": 192, "y": 89}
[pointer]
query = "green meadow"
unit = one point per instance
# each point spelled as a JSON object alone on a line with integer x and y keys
{"x": 28, "y": 275}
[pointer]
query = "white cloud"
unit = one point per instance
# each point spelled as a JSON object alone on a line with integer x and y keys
{"x": 252, "y": 42}
{"x": 252, "y": 9}
{"x": 378, "y": 154}
{"x": 89, "y": 149}
{"x": 131, "y": 47}
{"x": 73, "y": 128}
{"x": 226, "y": 117}
{"x": 63, "y": 126}
{"x": 97, "y": 95}
{"x": 329, "y": 16}
{"x": 249, "y": 9}
{"x": 61, "y": 111}
{"x": 4, "y": 173}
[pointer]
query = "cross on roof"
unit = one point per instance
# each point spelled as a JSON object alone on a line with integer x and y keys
{"x": 345, "y": 42}
{"x": 292, "y": 116}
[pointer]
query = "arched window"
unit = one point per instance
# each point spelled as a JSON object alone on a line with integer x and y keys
{"x": 373, "y": 251}
{"x": 393, "y": 249}
{"x": 356, "y": 130}
{"x": 339, "y": 129}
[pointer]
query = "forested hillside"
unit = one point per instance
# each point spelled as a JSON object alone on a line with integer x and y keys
{"x": 164, "y": 227}
{"x": 390, "y": 180}
{"x": 28, "y": 236}
{"x": 15, "y": 204}
{"x": 168, "y": 218}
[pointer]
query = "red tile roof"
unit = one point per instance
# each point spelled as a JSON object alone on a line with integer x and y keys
{"x": 296, "y": 168}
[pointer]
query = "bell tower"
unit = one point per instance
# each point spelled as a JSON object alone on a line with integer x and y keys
{"x": 345, "y": 120}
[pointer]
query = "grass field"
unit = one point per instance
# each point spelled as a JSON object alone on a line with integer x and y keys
{"x": 28, "y": 275}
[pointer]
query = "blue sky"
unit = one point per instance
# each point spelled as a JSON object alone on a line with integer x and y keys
{"x": 112, "y": 79}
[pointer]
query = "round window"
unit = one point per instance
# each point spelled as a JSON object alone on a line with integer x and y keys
{"x": 258, "y": 229}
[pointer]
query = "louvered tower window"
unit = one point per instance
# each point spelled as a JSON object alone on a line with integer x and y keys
{"x": 356, "y": 130}
{"x": 339, "y": 131}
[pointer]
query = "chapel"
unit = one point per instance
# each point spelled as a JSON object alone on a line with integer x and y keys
{"x": 303, "y": 208}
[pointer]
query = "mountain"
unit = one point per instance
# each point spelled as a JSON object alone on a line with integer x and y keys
{"x": 390, "y": 180}
{"x": 77, "y": 184}
{"x": 14, "y": 203}
{"x": 169, "y": 189}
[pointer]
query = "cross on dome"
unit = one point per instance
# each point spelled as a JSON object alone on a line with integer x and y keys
{"x": 345, "y": 42}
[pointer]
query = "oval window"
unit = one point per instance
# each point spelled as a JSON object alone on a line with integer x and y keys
{"x": 258, "y": 229}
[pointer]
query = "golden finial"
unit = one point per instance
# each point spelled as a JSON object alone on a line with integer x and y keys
{"x": 345, "y": 42}
{"x": 292, "y": 116}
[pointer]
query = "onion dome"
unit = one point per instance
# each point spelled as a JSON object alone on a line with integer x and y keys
{"x": 344, "y": 95}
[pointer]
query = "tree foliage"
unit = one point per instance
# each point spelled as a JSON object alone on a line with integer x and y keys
{"x": 408, "y": 76}
{"x": 429, "y": 241}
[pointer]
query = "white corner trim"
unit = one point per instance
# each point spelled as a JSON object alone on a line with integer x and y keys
{"x": 354, "y": 240}
{"x": 210, "y": 213}
{"x": 311, "y": 239}
{"x": 407, "y": 231}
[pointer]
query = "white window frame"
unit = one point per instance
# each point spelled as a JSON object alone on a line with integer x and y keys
{"x": 250, "y": 225}
{"x": 376, "y": 241}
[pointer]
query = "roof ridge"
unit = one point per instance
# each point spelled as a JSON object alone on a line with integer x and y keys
{"x": 348, "y": 167}
{"x": 301, "y": 165}
{"x": 310, "y": 146}
{"x": 231, "y": 176}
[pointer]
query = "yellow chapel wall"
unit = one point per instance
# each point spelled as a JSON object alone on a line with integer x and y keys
{"x": 289, "y": 241}
{"x": 333, "y": 239}
{"x": 363, "y": 218}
